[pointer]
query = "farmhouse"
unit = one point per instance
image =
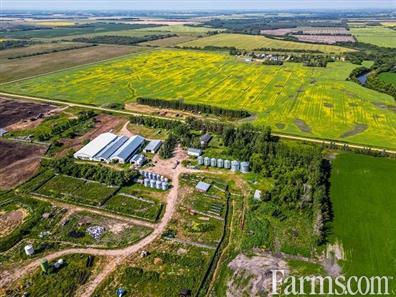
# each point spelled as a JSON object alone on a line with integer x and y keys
{"x": 96, "y": 146}
{"x": 128, "y": 149}
{"x": 194, "y": 152}
{"x": 153, "y": 146}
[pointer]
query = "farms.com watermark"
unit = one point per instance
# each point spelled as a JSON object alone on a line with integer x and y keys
{"x": 326, "y": 285}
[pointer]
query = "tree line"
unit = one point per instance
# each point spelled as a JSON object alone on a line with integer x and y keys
{"x": 196, "y": 108}
{"x": 122, "y": 40}
{"x": 99, "y": 173}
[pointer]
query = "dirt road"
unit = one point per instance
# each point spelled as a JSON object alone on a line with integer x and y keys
{"x": 118, "y": 255}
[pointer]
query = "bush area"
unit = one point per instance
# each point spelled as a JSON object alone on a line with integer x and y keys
{"x": 6, "y": 44}
{"x": 56, "y": 50}
{"x": 34, "y": 222}
{"x": 62, "y": 282}
{"x": 197, "y": 108}
{"x": 384, "y": 61}
{"x": 122, "y": 40}
{"x": 98, "y": 173}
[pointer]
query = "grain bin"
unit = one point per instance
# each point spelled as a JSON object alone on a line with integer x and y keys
{"x": 146, "y": 182}
{"x": 227, "y": 164}
{"x": 152, "y": 183}
{"x": 234, "y": 166}
{"x": 166, "y": 179}
{"x": 200, "y": 160}
{"x": 244, "y": 167}
{"x": 220, "y": 163}
{"x": 29, "y": 250}
{"x": 213, "y": 162}
{"x": 165, "y": 186}
{"x": 158, "y": 184}
{"x": 206, "y": 161}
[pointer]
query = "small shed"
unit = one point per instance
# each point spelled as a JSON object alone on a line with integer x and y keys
{"x": 257, "y": 195}
{"x": 204, "y": 140}
{"x": 153, "y": 146}
{"x": 3, "y": 132}
{"x": 194, "y": 152}
{"x": 202, "y": 186}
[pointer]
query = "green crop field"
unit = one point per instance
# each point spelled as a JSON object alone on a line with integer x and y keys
{"x": 252, "y": 42}
{"x": 389, "y": 77}
{"x": 315, "y": 102}
{"x": 363, "y": 196}
{"x": 376, "y": 35}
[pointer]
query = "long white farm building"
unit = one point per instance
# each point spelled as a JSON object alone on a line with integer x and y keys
{"x": 109, "y": 147}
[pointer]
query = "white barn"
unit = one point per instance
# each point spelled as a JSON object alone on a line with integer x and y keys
{"x": 89, "y": 151}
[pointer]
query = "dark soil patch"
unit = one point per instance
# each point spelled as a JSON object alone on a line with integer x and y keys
{"x": 359, "y": 128}
{"x": 18, "y": 162}
{"x": 353, "y": 104}
{"x": 13, "y": 111}
{"x": 329, "y": 105}
{"x": 302, "y": 126}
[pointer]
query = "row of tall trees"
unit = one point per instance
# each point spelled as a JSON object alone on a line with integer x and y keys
{"x": 196, "y": 108}
{"x": 122, "y": 40}
{"x": 98, "y": 173}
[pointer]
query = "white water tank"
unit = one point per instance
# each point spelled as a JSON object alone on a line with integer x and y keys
{"x": 29, "y": 250}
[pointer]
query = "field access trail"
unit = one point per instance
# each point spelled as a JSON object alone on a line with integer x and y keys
{"x": 117, "y": 255}
{"x": 339, "y": 144}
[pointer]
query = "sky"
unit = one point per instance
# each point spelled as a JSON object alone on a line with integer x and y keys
{"x": 195, "y": 4}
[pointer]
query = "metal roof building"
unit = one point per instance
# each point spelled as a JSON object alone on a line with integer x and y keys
{"x": 110, "y": 149}
{"x": 194, "y": 152}
{"x": 128, "y": 149}
{"x": 95, "y": 146}
{"x": 202, "y": 186}
{"x": 3, "y": 132}
{"x": 153, "y": 146}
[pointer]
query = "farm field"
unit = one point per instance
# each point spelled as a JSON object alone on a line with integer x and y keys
{"x": 363, "y": 197}
{"x": 253, "y": 42}
{"x": 169, "y": 268}
{"x": 31, "y": 66}
{"x": 76, "y": 190}
{"x": 315, "y": 102}
{"x": 18, "y": 162}
{"x": 64, "y": 281}
{"x": 377, "y": 35}
{"x": 389, "y": 77}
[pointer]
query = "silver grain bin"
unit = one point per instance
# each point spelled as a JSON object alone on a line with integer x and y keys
{"x": 206, "y": 161}
{"x": 158, "y": 184}
{"x": 200, "y": 160}
{"x": 213, "y": 162}
{"x": 152, "y": 183}
{"x": 227, "y": 164}
{"x": 234, "y": 166}
{"x": 146, "y": 182}
{"x": 165, "y": 186}
{"x": 244, "y": 167}
{"x": 220, "y": 163}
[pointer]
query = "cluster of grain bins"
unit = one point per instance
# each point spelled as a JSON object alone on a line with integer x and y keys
{"x": 108, "y": 147}
{"x": 227, "y": 164}
{"x": 154, "y": 180}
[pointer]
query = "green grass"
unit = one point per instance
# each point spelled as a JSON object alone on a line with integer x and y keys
{"x": 389, "y": 77}
{"x": 169, "y": 268}
{"x": 252, "y": 42}
{"x": 76, "y": 190}
{"x": 61, "y": 283}
{"x": 377, "y": 35}
{"x": 363, "y": 195}
{"x": 110, "y": 239}
{"x": 280, "y": 96}
{"x": 145, "y": 209}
